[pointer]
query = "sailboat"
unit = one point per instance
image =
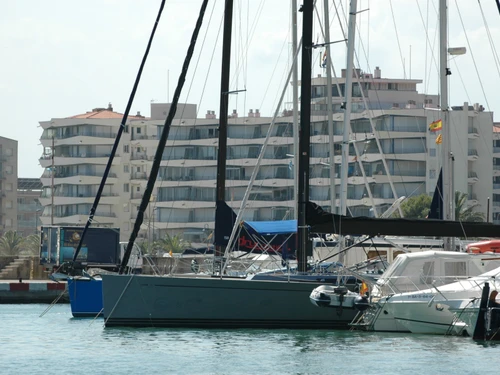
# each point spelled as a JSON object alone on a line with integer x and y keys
{"x": 219, "y": 301}
{"x": 84, "y": 288}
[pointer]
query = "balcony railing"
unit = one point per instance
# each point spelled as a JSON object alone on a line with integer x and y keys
{"x": 81, "y": 134}
{"x": 72, "y": 213}
{"x": 48, "y": 174}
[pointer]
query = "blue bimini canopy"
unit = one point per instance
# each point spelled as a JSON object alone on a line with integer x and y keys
{"x": 265, "y": 228}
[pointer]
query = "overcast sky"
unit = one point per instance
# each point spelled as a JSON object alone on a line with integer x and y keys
{"x": 61, "y": 58}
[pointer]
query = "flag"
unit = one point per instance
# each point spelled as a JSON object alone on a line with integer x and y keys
{"x": 436, "y": 126}
{"x": 363, "y": 289}
{"x": 323, "y": 60}
{"x": 439, "y": 139}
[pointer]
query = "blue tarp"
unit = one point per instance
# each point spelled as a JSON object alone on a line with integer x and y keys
{"x": 265, "y": 228}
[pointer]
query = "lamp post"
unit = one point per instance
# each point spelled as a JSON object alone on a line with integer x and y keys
{"x": 36, "y": 220}
{"x": 154, "y": 216}
{"x": 151, "y": 200}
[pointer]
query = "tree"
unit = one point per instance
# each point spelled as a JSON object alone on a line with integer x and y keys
{"x": 10, "y": 243}
{"x": 463, "y": 212}
{"x": 416, "y": 207}
{"x": 144, "y": 246}
{"x": 31, "y": 245}
{"x": 175, "y": 243}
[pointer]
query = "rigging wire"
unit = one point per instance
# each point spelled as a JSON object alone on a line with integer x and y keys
{"x": 172, "y": 143}
{"x": 397, "y": 38}
{"x": 490, "y": 38}
{"x": 372, "y": 124}
{"x": 425, "y": 24}
{"x": 486, "y": 142}
{"x": 118, "y": 136}
{"x": 472, "y": 55}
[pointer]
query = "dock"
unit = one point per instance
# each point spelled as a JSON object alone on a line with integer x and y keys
{"x": 32, "y": 291}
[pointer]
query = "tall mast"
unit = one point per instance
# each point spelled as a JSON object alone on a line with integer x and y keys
{"x": 448, "y": 196}
{"x": 163, "y": 138}
{"x": 305, "y": 134}
{"x": 329, "y": 105}
{"x": 347, "y": 103}
{"x": 295, "y": 109}
{"x": 224, "y": 99}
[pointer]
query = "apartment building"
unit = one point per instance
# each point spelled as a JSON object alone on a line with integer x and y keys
{"x": 29, "y": 208}
{"x": 495, "y": 201}
{"x": 8, "y": 185}
{"x": 392, "y": 154}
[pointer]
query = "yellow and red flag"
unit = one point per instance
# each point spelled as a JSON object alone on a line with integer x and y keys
{"x": 436, "y": 126}
{"x": 439, "y": 139}
{"x": 363, "y": 289}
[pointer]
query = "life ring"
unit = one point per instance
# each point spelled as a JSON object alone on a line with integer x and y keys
{"x": 195, "y": 267}
{"x": 492, "y": 246}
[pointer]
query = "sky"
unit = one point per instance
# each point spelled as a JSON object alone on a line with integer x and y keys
{"x": 61, "y": 58}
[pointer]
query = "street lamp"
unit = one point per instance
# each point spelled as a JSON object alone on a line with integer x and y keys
{"x": 154, "y": 216}
{"x": 36, "y": 219}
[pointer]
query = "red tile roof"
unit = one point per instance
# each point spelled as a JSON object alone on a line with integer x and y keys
{"x": 104, "y": 113}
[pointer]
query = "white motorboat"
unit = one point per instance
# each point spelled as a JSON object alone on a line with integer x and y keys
{"x": 407, "y": 297}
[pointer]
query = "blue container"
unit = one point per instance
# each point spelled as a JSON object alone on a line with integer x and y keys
{"x": 85, "y": 296}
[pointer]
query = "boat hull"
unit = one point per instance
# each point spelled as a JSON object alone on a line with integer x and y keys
{"x": 85, "y": 296}
{"x": 423, "y": 317}
{"x": 152, "y": 301}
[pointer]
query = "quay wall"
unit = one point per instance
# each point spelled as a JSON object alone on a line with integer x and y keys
{"x": 32, "y": 291}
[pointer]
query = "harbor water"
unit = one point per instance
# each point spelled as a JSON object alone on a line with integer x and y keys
{"x": 34, "y": 342}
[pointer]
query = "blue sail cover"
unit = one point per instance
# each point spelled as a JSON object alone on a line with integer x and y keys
{"x": 271, "y": 227}
{"x": 279, "y": 236}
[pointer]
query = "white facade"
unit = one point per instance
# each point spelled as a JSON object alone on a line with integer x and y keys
{"x": 8, "y": 185}
{"x": 184, "y": 194}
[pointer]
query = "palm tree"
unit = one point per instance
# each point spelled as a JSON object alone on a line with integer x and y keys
{"x": 174, "y": 244}
{"x": 31, "y": 245}
{"x": 144, "y": 246}
{"x": 463, "y": 212}
{"x": 11, "y": 243}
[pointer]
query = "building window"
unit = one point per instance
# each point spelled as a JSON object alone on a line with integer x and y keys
{"x": 432, "y": 152}
{"x": 138, "y": 188}
{"x": 126, "y": 188}
{"x": 126, "y": 128}
{"x": 138, "y": 130}
{"x": 432, "y": 173}
{"x": 125, "y": 149}
{"x": 125, "y": 168}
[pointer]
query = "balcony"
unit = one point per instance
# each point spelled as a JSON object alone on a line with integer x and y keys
{"x": 84, "y": 133}
{"x": 80, "y": 178}
{"x": 472, "y": 154}
{"x": 473, "y": 132}
{"x": 139, "y": 176}
{"x": 472, "y": 178}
